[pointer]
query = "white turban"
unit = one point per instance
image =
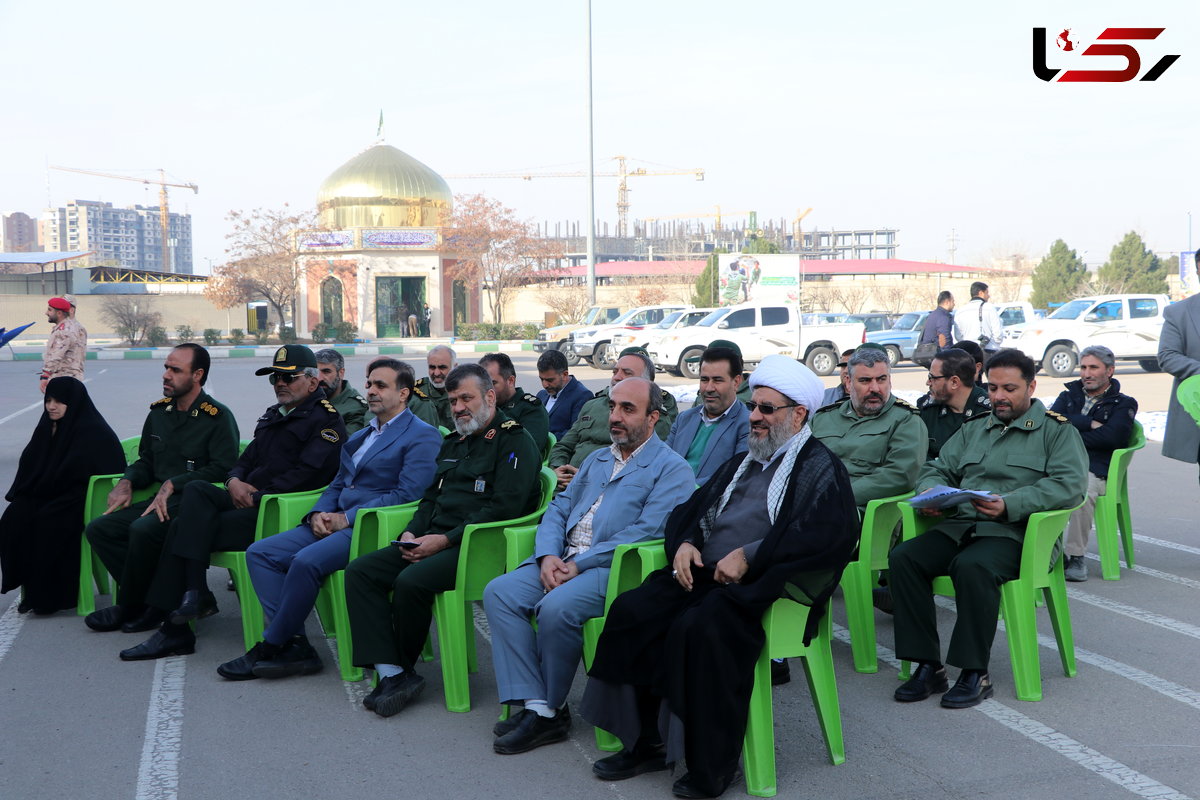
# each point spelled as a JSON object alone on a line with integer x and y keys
{"x": 791, "y": 379}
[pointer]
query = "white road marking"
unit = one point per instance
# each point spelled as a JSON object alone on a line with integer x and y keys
{"x": 158, "y": 772}
{"x": 1173, "y": 625}
{"x": 1126, "y": 777}
{"x": 1154, "y": 573}
{"x": 1137, "y": 537}
{"x": 10, "y": 626}
{"x": 38, "y": 404}
{"x": 355, "y": 691}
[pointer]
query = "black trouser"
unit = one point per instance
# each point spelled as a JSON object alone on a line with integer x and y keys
{"x": 129, "y": 546}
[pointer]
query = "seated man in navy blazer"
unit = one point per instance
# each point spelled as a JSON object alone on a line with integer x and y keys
{"x": 712, "y": 433}
{"x": 389, "y": 462}
{"x": 561, "y": 394}
{"x": 622, "y": 493}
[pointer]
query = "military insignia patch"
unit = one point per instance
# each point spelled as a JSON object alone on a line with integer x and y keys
{"x": 160, "y": 401}
{"x": 330, "y": 435}
{"x": 530, "y": 398}
{"x": 420, "y": 393}
{"x": 209, "y": 409}
{"x": 491, "y": 434}
{"x": 1028, "y": 423}
{"x": 509, "y": 424}
{"x": 1056, "y": 415}
{"x": 328, "y": 406}
{"x": 281, "y": 355}
{"x": 195, "y": 413}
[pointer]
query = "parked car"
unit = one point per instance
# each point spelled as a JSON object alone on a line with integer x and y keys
{"x": 759, "y": 330}
{"x": 559, "y": 336}
{"x": 874, "y": 321}
{"x": 1127, "y": 324}
{"x": 594, "y": 343}
{"x": 646, "y": 337}
{"x": 901, "y": 339}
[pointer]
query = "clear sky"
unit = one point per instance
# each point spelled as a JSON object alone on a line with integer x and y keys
{"x": 923, "y": 116}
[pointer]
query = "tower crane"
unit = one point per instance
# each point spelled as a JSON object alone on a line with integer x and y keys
{"x": 164, "y": 216}
{"x": 622, "y": 171}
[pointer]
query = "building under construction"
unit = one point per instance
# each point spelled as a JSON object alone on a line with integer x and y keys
{"x": 681, "y": 240}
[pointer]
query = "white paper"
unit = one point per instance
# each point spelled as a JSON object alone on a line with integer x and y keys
{"x": 946, "y": 496}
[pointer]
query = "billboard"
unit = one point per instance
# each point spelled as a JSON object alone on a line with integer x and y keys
{"x": 749, "y": 278}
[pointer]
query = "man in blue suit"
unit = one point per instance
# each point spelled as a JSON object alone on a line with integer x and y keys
{"x": 561, "y": 394}
{"x": 621, "y": 494}
{"x": 389, "y": 462}
{"x": 715, "y": 431}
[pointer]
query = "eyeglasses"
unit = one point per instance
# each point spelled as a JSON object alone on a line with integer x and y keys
{"x": 932, "y": 377}
{"x": 766, "y": 409}
{"x": 278, "y": 377}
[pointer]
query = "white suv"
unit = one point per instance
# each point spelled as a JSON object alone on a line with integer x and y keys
{"x": 594, "y": 344}
{"x": 1127, "y": 324}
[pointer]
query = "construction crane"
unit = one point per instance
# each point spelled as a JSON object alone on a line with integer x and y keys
{"x": 164, "y": 216}
{"x": 718, "y": 214}
{"x": 623, "y": 172}
{"x": 797, "y": 242}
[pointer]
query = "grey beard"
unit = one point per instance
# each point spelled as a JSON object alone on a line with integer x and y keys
{"x": 474, "y": 424}
{"x": 763, "y": 449}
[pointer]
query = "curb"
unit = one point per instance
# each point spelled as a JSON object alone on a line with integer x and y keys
{"x": 256, "y": 351}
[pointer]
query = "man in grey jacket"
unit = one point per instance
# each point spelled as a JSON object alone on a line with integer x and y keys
{"x": 1179, "y": 354}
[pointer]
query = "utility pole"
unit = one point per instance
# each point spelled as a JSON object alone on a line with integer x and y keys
{"x": 591, "y": 161}
{"x": 953, "y": 240}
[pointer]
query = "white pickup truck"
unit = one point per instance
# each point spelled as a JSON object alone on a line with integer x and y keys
{"x": 594, "y": 344}
{"x": 1127, "y": 324}
{"x": 760, "y": 330}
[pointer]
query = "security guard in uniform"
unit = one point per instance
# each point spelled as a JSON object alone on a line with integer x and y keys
{"x": 296, "y": 447}
{"x": 953, "y": 397}
{"x": 590, "y": 431}
{"x": 432, "y": 390}
{"x": 338, "y": 391}
{"x": 515, "y": 402}
{"x": 487, "y": 471}
{"x": 1030, "y": 459}
{"x": 879, "y": 437}
{"x": 188, "y": 437}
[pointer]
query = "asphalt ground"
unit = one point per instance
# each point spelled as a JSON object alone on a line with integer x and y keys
{"x": 78, "y": 722}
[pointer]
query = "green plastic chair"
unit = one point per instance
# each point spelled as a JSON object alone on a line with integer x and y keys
{"x": 1112, "y": 509}
{"x": 551, "y": 440}
{"x": 276, "y": 514}
{"x": 784, "y": 624}
{"x": 860, "y": 577}
{"x": 1188, "y": 394}
{"x": 130, "y": 446}
{"x": 1043, "y": 532}
{"x": 484, "y": 555}
{"x": 374, "y": 528}
{"x": 93, "y": 577}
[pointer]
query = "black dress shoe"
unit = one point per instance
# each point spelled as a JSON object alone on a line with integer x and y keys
{"x": 927, "y": 679}
{"x": 297, "y": 657}
{"x": 197, "y": 604}
{"x": 690, "y": 787}
{"x": 150, "y": 619}
{"x": 781, "y": 673}
{"x": 627, "y": 763}
{"x": 534, "y": 730}
{"x": 972, "y": 688}
{"x": 508, "y": 725}
{"x": 242, "y": 667}
{"x": 161, "y": 645}
{"x": 107, "y": 619}
{"x": 397, "y": 691}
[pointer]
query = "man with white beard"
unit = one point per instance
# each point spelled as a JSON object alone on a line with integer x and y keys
{"x": 486, "y": 473}
{"x": 432, "y": 390}
{"x": 777, "y": 521}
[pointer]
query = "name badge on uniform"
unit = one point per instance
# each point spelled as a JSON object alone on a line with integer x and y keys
{"x": 191, "y": 466}
{"x": 480, "y": 485}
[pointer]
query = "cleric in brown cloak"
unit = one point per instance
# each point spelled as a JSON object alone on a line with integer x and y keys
{"x": 675, "y": 663}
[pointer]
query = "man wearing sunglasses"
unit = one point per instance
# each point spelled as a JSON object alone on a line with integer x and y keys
{"x": 295, "y": 448}
{"x": 879, "y": 437}
{"x": 953, "y": 397}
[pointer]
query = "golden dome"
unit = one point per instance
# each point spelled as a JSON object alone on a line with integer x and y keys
{"x": 383, "y": 187}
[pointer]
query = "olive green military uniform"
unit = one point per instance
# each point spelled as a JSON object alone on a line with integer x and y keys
{"x": 439, "y": 399}
{"x": 488, "y": 476}
{"x": 942, "y": 423}
{"x": 529, "y": 411}
{"x": 743, "y": 393}
{"x": 882, "y": 453}
{"x": 590, "y": 431}
{"x": 200, "y": 444}
{"x": 1036, "y": 463}
{"x": 352, "y": 406}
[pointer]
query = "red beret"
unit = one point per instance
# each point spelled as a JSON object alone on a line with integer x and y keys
{"x": 60, "y": 304}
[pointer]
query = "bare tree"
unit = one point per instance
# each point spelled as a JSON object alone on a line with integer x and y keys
{"x": 895, "y": 298}
{"x": 131, "y": 316}
{"x": 569, "y": 303}
{"x": 850, "y": 296}
{"x": 263, "y": 259}
{"x": 494, "y": 249}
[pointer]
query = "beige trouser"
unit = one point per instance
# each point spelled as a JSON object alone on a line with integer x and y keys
{"x": 1081, "y": 520}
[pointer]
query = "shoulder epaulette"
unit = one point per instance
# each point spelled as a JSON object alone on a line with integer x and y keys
{"x": 510, "y": 425}
{"x": 532, "y": 398}
{"x": 421, "y": 381}
{"x": 1057, "y": 416}
{"x": 599, "y": 394}
{"x": 161, "y": 400}
{"x": 977, "y": 417}
{"x": 834, "y": 404}
{"x": 900, "y": 401}
{"x": 419, "y": 393}
{"x": 209, "y": 408}
{"x": 328, "y": 406}
{"x": 360, "y": 399}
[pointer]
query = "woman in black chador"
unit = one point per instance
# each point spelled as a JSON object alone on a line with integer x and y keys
{"x": 40, "y": 529}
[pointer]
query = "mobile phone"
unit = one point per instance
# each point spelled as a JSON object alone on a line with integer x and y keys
{"x": 409, "y": 544}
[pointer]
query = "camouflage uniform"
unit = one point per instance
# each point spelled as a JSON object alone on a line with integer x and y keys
{"x": 65, "y": 351}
